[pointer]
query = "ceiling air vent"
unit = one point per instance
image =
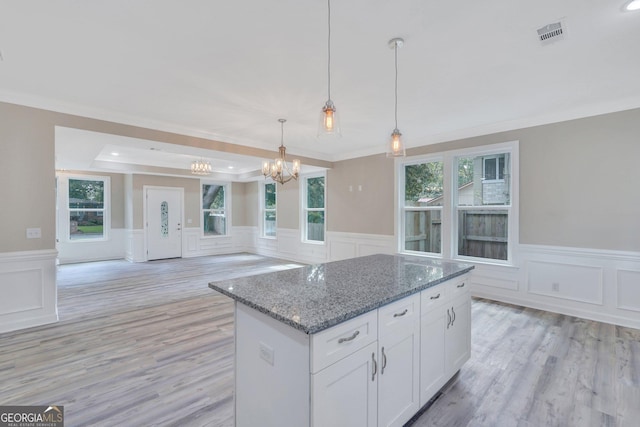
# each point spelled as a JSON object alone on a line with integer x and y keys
{"x": 551, "y": 33}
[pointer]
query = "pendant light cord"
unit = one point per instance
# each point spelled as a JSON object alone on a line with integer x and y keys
{"x": 396, "y": 83}
{"x": 329, "y": 49}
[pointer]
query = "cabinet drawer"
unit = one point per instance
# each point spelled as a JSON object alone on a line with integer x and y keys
{"x": 459, "y": 286}
{"x": 399, "y": 314}
{"x": 433, "y": 297}
{"x": 333, "y": 344}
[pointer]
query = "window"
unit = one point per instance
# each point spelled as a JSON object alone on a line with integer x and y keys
{"x": 314, "y": 208}
{"x": 422, "y": 207}
{"x": 268, "y": 205}
{"x": 214, "y": 209}
{"x": 482, "y": 206}
{"x": 87, "y": 208}
{"x": 462, "y": 205}
{"x": 493, "y": 167}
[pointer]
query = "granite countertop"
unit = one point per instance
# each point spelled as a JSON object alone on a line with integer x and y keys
{"x": 316, "y": 297}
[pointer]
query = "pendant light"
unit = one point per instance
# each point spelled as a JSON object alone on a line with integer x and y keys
{"x": 279, "y": 170}
{"x": 396, "y": 146}
{"x": 329, "y": 124}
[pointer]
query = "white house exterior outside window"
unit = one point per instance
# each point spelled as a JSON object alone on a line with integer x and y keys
{"x": 215, "y": 211}
{"x": 313, "y": 208}
{"x": 461, "y": 205}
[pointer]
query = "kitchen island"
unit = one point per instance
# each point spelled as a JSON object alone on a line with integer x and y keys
{"x": 365, "y": 341}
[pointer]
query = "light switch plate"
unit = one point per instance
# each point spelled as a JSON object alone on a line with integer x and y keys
{"x": 34, "y": 233}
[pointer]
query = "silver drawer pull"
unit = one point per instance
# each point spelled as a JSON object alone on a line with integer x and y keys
{"x": 406, "y": 310}
{"x": 461, "y": 285}
{"x": 436, "y": 297}
{"x": 352, "y": 337}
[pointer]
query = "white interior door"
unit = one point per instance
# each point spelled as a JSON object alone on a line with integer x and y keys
{"x": 163, "y": 222}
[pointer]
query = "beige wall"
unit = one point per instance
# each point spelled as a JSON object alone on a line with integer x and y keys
{"x": 191, "y": 197}
{"x": 578, "y": 181}
{"x": 369, "y": 210}
{"x": 251, "y": 216}
{"x": 288, "y": 205}
{"x": 243, "y": 200}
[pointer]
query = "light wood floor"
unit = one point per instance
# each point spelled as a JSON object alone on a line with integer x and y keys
{"x": 151, "y": 344}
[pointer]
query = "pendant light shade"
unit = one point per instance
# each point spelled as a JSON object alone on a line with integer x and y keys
{"x": 396, "y": 144}
{"x": 329, "y": 124}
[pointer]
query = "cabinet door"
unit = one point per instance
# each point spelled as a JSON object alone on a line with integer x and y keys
{"x": 345, "y": 393}
{"x": 433, "y": 368}
{"x": 458, "y": 342}
{"x": 399, "y": 379}
{"x": 399, "y": 356}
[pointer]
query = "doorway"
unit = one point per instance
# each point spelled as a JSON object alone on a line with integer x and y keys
{"x": 163, "y": 221}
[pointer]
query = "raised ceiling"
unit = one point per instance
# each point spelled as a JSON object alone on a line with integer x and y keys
{"x": 227, "y": 70}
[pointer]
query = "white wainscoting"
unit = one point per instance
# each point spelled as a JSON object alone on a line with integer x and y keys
{"x": 589, "y": 283}
{"x": 28, "y": 289}
{"x": 99, "y": 250}
{"x": 135, "y": 246}
{"x": 350, "y": 245}
{"x": 194, "y": 245}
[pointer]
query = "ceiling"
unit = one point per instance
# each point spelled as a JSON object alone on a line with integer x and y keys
{"x": 227, "y": 70}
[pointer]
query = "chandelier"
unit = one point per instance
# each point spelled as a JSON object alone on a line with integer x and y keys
{"x": 201, "y": 167}
{"x": 279, "y": 170}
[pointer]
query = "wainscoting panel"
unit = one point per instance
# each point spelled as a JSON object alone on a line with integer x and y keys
{"x": 135, "y": 245}
{"x": 593, "y": 284}
{"x": 86, "y": 251}
{"x": 350, "y": 245}
{"x": 629, "y": 290}
{"x": 575, "y": 282}
{"x": 28, "y": 289}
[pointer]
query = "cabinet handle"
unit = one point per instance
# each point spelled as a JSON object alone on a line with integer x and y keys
{"x": 384, "y": 362}
{"x": 375, "y": 366}
{"x": 436, "y": 297}
{"x": 406, "y": 310}
{"x": 461, "y": 285}
{"x": 448, "y": 319}
{"x": 351, "y": 338}
{"x": 454, "y": 316}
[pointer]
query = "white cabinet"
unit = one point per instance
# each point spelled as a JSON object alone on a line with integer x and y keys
{"x": 399, "y": 357}
{"x": 445, "y": 335}
{"x": 376, "y": 369}
{"x": 346, "y": 393}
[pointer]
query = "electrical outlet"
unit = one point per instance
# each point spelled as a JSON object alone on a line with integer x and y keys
{"x": 266, "y": 353}
{"x": 34, "y": 233}
{"x": 555, "y": 287}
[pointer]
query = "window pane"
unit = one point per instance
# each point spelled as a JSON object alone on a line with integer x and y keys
{"x": 422, "y": 231}
{"x": 215, "y": 223}
{"x": 86, "y": 225}
{"x": 270, "y": 196}
{"x": 483, "y": 234}
{"x": 476, "y": 189}
{"x": 212, "y": 196}
{"x": 270, "y": 223}
{"x": 315, "y": 226}
{"x": 164, "y": 220}
{"x": 423, "y": 184}
{"x": 315, "y": 192}
{"x": 86, "y": 194}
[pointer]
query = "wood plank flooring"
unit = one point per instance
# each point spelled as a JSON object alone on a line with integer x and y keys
{"x": 151, "y": 344}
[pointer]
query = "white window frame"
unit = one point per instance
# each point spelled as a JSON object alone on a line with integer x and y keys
{"x": 226, "y": 211}
{"x": 304, "y": 210}
{"x": 403, "y": 208}
{"x": 65, "y": 211}
{"x": 450, "y": 211}
{"x": 263, "y": 210}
